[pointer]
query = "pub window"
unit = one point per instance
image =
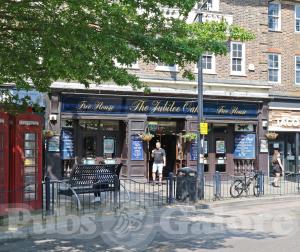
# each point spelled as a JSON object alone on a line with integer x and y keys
{"x": 274, "y": 67}
{"x": 109, "y": 147}
{"x": 297, "y": 18}
{"x": 237, "y": 58}
{"x": 297, "y": 70}
{"x": 103, "y": 125}
{"x": 274, "y": 17}
{"x": 89, "y": 147}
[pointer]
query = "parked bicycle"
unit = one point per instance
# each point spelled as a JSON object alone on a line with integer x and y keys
{"x": 240, "y": 185}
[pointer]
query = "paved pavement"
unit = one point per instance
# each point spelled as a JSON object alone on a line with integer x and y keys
{"x": 262, "y": 225}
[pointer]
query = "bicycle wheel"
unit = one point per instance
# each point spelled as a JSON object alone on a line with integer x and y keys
{"x": 236, "y": 188}
{"x": 256, "y": 189}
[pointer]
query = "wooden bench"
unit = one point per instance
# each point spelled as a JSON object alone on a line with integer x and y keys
{"x": 92, "y": 179}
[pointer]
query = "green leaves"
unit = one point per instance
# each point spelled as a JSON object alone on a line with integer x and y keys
{"x": 49, "y": 40}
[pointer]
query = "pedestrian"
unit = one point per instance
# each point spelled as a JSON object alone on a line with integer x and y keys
{"x": 159, "y": 161}
{"x": 278, "y": 169}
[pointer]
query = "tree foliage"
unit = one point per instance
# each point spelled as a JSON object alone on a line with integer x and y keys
{"x": 42, "y": 41}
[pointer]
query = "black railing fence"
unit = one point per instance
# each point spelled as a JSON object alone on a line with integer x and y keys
{"x": 137, "y": 194}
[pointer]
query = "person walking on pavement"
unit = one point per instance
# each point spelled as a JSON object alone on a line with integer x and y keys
{"x": 159, "y": 156}
{"x": 277, "y": 167}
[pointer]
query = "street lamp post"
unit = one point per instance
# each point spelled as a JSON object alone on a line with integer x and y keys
{"x": 200, "y": 141}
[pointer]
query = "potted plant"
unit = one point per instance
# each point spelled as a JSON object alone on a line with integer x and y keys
{"x": 271, "y": 135}
{"x": 189, "y": 136}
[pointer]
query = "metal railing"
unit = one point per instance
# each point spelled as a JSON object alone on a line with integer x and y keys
{"x": 136, "y": 194}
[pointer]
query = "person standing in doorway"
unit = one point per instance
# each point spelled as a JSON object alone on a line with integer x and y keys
{"x": 159, "y": 161}
{"x": 278, "y": 169}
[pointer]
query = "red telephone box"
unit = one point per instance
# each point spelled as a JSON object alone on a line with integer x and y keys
{"x": 4, "y": 161}
{"x": 26, "y": 173}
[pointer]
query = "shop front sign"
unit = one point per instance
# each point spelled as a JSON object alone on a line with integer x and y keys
{"x": 284, "y": 120}
{"x": 155, "y": 106}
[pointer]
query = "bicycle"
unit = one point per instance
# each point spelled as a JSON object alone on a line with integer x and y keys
{"x": 240, "y": 185}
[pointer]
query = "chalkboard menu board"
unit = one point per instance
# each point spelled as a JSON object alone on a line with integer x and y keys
{"x": 193, "y": 150}
{"x": 137, "y": 152}
{"x": 67, "y": 143}
{"x": 244, "y": 146}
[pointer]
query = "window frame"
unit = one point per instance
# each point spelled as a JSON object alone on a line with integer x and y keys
{"x": 279, "y": 68}
{"x": 213, "y": 64}
{"x": 243, "y": 59}
{"x": 166, "y": 68}
{"x": 214, "y": 5}
{"x": 297, "y": 18}
{"x": 279, "y": 17}
{"x": 297, "y": 70}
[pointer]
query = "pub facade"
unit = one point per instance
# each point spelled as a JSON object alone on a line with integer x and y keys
{"x": 94, "y": 128}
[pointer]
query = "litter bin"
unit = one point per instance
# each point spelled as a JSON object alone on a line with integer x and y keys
{"x": 186, "y": 184}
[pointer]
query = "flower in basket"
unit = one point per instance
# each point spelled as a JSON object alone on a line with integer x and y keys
{"x": 48, "y": 133}
{"x": 271, "y": 135}
{"x": 189, "y": 136}
{"x": 146, "y": 136}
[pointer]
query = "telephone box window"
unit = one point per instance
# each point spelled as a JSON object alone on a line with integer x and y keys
{"x": 30, "y": 150}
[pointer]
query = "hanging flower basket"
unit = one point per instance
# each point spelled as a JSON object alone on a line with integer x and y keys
{"x": 271, "y": 135}
{"x": 146, "y": 136}
{"x": 189, "y": 136}
{"x": 48, "y": 133}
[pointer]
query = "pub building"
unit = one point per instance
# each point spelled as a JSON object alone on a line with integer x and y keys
{"x": 284, "y": 121}
{"x": 107, "y": 128}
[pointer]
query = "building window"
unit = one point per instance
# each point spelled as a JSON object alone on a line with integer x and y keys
{"x": 208, "y": 63}
{"x": 297, "y": 69}
{"x": 274, "y": 67}
{"x": 168, "y": 68}
{"x": 237, "y": 58}
{"x": 209, "y": 5}
{"x": 274, "y": 16}
{"x": 297, "y": 18}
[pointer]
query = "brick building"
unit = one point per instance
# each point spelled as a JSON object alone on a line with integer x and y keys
{"x": 283, "y": 53}
{"x": 93, "y": 126}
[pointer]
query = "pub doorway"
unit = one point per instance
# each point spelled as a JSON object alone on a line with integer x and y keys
{"x": 168, "y": 143}
{"x": 167, "y": 133}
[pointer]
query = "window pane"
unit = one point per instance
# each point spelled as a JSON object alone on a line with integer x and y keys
{"x": 29, "y": 145}
{"x": 298, "y": 25}
{"x": 273, "y": 9}
{"x": 298, "y": 77}
{"x": 273, "y": 75}
{"x": 298, "y": 63}
{"x": 273, "y": 23}
{"x": 29, "y": 153}
{"x": 29, "y": 136}
{"x": 207, "y": 62}
{"x": 89, "y": 146}
{"x": 298, "y": 12}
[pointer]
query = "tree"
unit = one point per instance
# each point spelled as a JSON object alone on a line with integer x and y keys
{"x": 49, "y": 40}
